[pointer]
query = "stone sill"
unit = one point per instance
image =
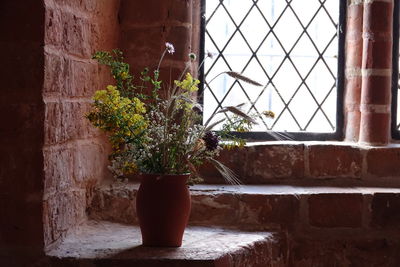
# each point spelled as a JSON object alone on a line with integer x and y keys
{"x": 272, "y": 207}
{"x": 112, "y": 244}
{"x": 393, "y": 144}
{"x": 291, "y": 162}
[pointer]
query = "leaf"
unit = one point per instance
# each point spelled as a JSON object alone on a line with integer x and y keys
{"x": 243, "y": 78}
{"x": 238, "y": 112}
{"x": 209, "y": 128}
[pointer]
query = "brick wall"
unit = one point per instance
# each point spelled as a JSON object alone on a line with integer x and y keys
{"x": 328, "y": 163}
{"x": 369, "y": 41}
{"x": 75, "y": 153}
{"x": 147, "y": 26}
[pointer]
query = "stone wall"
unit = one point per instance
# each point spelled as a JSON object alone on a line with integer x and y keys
{"x": 147, "y": 26}
{"x": 310, "y": 163}
{"x": 51, "y": 158}
{"x": 75, "y": 153}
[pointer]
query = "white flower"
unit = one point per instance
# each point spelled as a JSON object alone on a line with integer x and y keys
{"x": 192, "y": 56}
{"x": 170, "y": 48}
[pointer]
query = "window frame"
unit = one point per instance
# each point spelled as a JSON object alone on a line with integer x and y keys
{"x": 395, "y": 71}
{"x": 296, "y": 136}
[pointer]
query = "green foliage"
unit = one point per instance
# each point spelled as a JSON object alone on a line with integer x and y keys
{"x": 154, "y": 134}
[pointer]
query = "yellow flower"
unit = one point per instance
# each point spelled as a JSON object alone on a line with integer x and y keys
{"x": 188, "y": 84}
{"x": 124, "y": 75}
{"x": 139, "y": 105}
{"x": 129, "y": 167}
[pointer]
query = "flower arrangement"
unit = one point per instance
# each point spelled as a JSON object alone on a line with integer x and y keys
{"x": 156, "y": 131}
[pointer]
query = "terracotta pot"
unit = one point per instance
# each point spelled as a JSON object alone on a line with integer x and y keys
{"x": 163, "y": 208}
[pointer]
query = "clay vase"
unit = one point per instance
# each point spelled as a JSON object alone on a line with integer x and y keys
{"x": 163, "y": 208}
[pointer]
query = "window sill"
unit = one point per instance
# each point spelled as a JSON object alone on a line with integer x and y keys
{"x": 293, "y": 162}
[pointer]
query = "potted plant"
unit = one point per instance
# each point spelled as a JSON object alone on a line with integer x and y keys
{"x": 156, "y": 132}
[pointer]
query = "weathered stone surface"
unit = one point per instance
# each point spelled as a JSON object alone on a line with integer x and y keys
{"x": 115, "y": 203}
{"x": 334, "y": 161}
{"x": 62, "y": 212}
{"x": 383, "y": 162}
{"x": 273, "y": 161}
{"x": 219, "y": 208}
{"x": 269, "y": 210}
{"x": 75, "y": 157}
{"x": 108, "y": 244}
{"x": 252, "y": 207}
{"x": 235, "y": 159}
{"x": 58, "y": 166}
{"x": 75, "y": 35}
{"x": 82, "y": 79}
{"x": 66, "y": 121}
{"x": 344, "y": 251}
{"x": 335, "y": 210}
{"x": 55, "y": 71}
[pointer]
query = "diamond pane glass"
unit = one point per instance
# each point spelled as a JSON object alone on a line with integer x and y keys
{"x": 288, "y": 46}
{"x": 398, "y": 99}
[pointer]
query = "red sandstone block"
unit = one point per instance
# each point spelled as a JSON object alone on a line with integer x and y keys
{"x": 274, "y": 161}
{"x": 180, "y": 10}
{"x": 375, "y": 128}
{"x": 82, "y": 79}
{"x": 268, "y": 209}
{"x": 383, "y": 162}
{"x": 73, "y": 122}
{"x": 378, "y": 16}
{"x": 63, "y": 212}
{"x": 234, "y": 158}
{"x": 52, "y": 123}
{"x": 385, "y": 210}
{"x": 57, "y": 169}
{"x": 345, "y": 250}
{"x": 334, "y": 161}
{"x": 175, "y": 35}
{"x": 55, "y": 74}
{"x": 114, "y": 205}
{"x": 335, "y": 210}
{"x": 66, "y": 121}
{"x": 104, "y": 34}
{"x": 53, "y": 29}
{"x": 86, "y": 6}
{"x": 208, "y": 209}
{"x": 107, "y": 8}
{"x": 143, "y": 46}
{"x": 90, "y": 162}
{"x": 76, "y": 31}
{"x": 137, "y": 12}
